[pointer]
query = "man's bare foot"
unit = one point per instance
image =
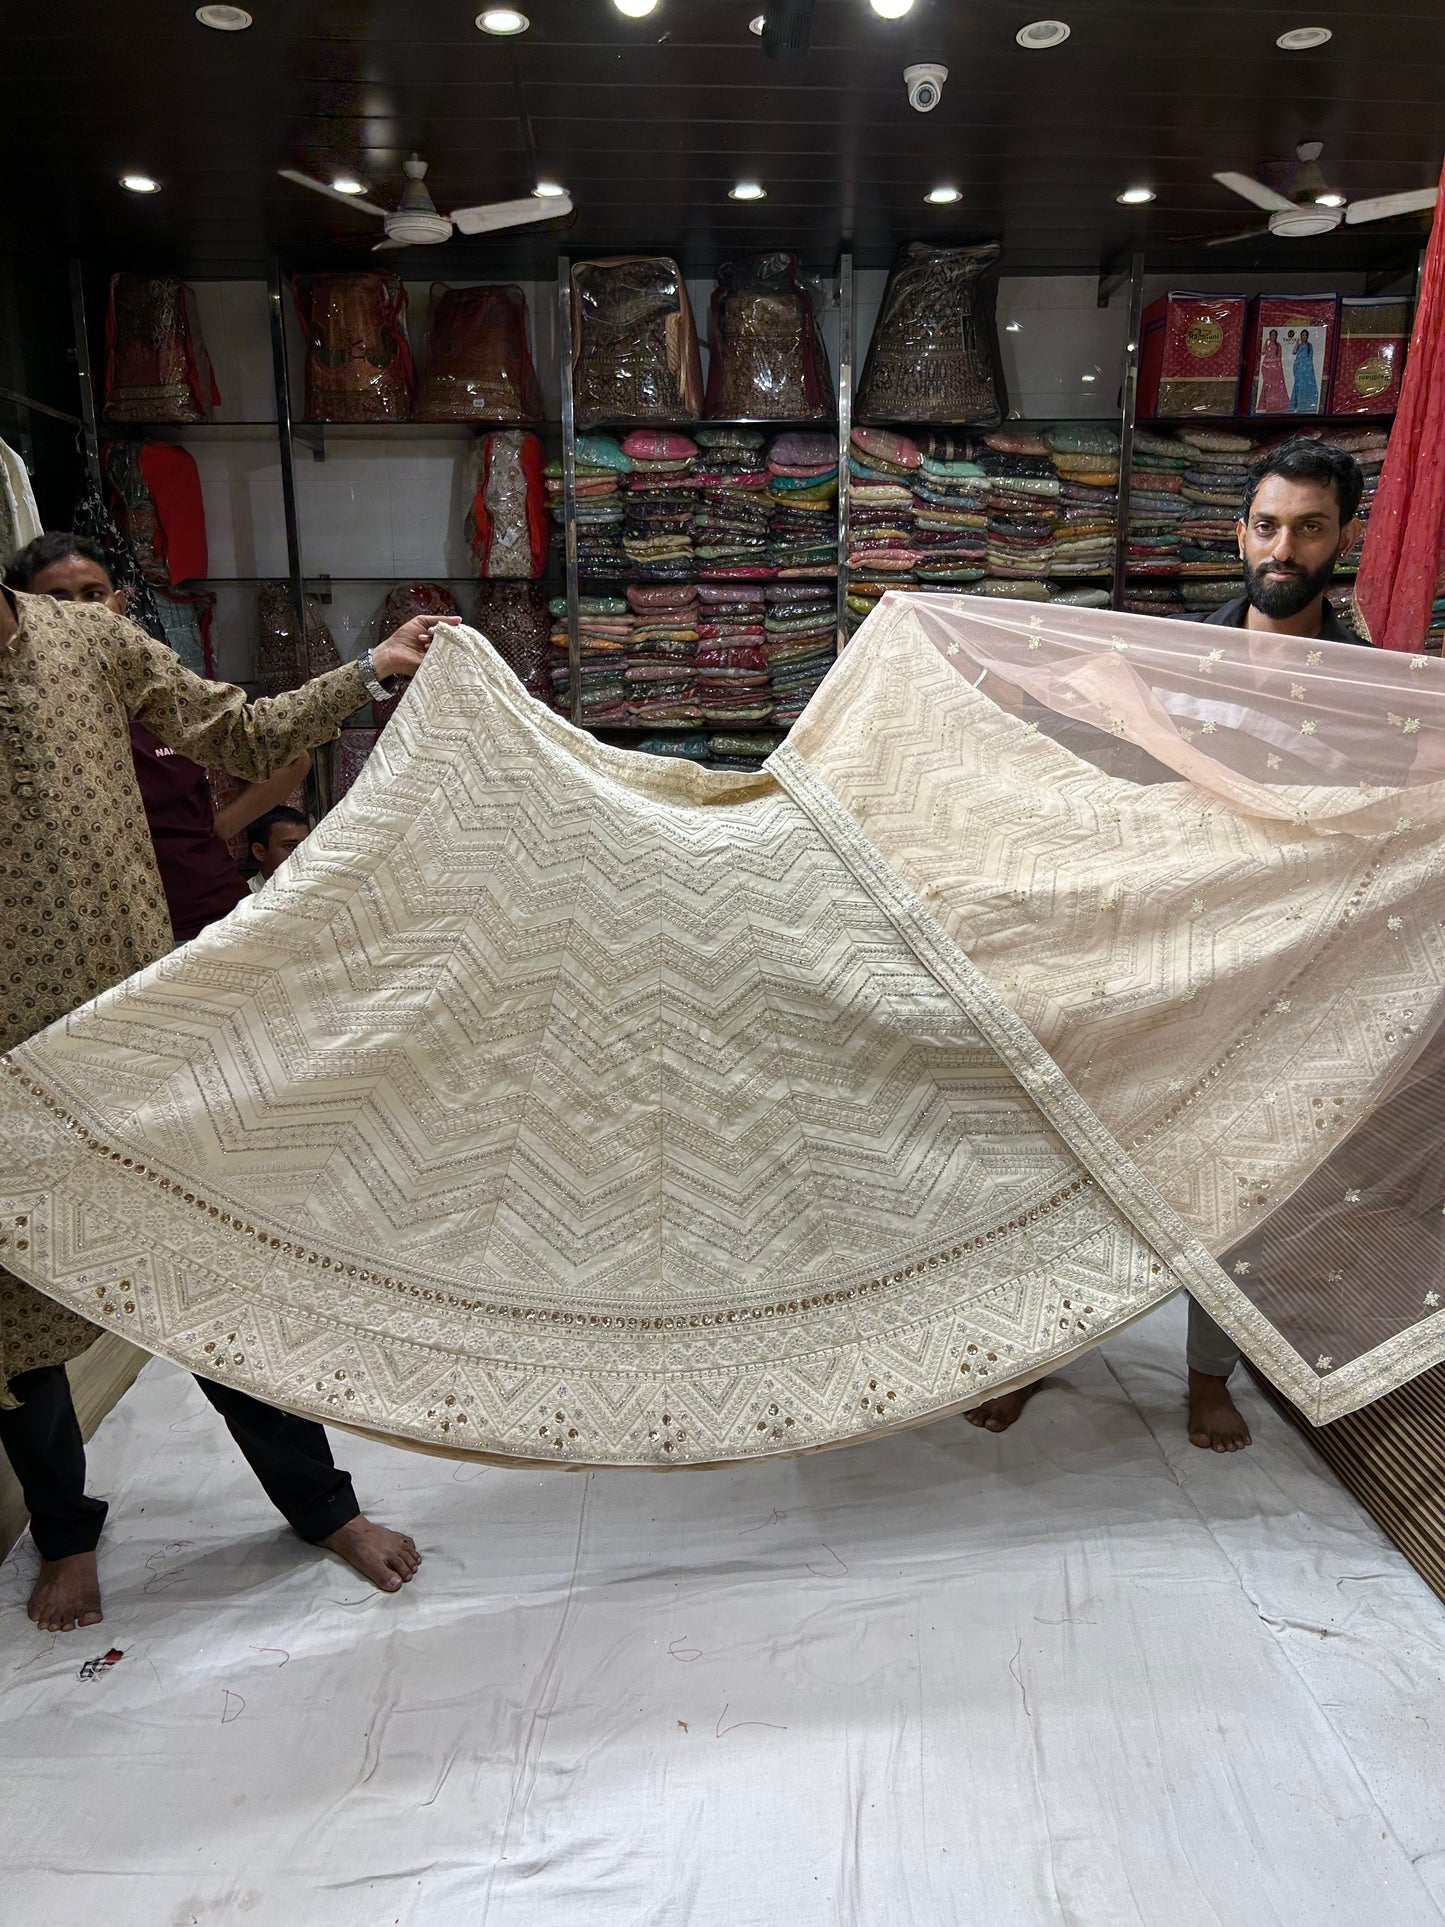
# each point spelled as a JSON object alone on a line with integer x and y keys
{"x": 998, "y": 1414}
{"x": 388, "y": 1559}
{"x": 1216, "y": 1423}
{"x": 67, "y": 1594}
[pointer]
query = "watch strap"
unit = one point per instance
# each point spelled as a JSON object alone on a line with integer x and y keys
{"x": 371, "y": 682}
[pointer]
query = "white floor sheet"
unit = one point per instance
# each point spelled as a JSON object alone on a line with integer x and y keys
{"x": 1080, "y": 1674}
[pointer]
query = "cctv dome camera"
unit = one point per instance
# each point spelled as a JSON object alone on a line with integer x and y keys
{"x": 925, "y": 85}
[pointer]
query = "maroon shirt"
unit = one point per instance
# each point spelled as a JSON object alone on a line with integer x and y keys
{"x": 198, "y": 872}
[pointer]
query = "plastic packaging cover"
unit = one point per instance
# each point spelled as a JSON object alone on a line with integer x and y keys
{"x": 156, "y": 365}
{"x": 635, "y": 356}
{"x": 768, "y": 361}
{"x": 507, "y": 523}
{"x": 934, "y": 354}
{"x": 478, "y": 365}
{"x": 513, "y": 617}
{"x": 358, "y": 363}
{"x": 408, "y": 599}
{"x": 285, "y": 660}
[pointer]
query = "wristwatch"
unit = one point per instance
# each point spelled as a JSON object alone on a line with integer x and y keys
{"x": 371, "y": 682}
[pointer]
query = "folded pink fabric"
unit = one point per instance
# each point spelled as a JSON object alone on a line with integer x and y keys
{"x": 672, "y": 595}
{"x": 888, "y": 447}
{"x": 732, "y": 592}
{"x": 658, "y": 445}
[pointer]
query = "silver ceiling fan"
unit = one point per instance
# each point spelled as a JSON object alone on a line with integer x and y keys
{"x": 1312, "y": 208}
{"x": 415, "y": 222}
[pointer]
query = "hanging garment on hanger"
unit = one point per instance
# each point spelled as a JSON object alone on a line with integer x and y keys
{"x": 156, "y": 365}
{"x": 562, "y": 1104}
{"x": 358, "y": 358}
{"x": 92, "y": 517}
{"x": 22, "y": 521}
{"x": 156, "y": 495}
{"x": 478, "y": 366}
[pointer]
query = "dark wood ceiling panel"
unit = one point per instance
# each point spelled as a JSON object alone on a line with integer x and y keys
{"x": 649, "y": 123}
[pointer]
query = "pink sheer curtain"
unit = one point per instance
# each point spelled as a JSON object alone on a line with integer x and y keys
{"x": 1405, "y": 544}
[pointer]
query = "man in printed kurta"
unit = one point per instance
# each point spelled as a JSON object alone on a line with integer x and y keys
{"x": 81, "y": 908}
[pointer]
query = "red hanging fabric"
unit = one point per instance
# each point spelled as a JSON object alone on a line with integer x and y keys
{"x": 1405, "y": 542}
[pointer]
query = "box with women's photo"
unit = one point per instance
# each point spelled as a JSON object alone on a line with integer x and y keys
{"x": 1291, "y": 349}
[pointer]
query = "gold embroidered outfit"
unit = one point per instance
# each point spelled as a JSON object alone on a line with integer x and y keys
{"x": 81, "y": 904}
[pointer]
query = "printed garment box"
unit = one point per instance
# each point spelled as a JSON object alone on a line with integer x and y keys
{"x": 1370, "y": 358}
{"x": 1291, "y": 353}
{"x": 1192, "y": 354}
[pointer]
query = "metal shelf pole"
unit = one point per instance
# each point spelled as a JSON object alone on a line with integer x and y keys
{"x": 85, "y": 376}
{"x": 286, "y": 446}
{"x": 569, "y": 487}
{"x": 319, "y": 787}
{"x": 845, "y": 430}
{"x": 1127, "y": 419}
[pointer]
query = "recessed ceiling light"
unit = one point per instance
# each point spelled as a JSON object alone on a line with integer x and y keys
{"x": 943, "y": 196}
{"x": 1135, "y": 196}
{"x": 347, "y": 184}
{"x": 548, "y": 191}
{"x": 1043, "y": 33}
{"x": 225, "y": 19}
{"x": 1088, "y": 377}
{"x": 503, "y": 20}
{"x": 140, "y": 184}
{"x": 757, "y": 23}
{"x": 748, "y": 191}
{"x": 635, "y": 9}
{"x": 1298, "y": 39}
{"x": 891, "y": 9}
{"x": 1329, "y": 200}
{"x": 1012, "y": 327}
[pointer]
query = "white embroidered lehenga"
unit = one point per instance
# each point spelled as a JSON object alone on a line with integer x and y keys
{"x": 559, "y": 1103}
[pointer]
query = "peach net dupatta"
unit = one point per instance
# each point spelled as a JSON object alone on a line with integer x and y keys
{"x": 1204, "y": 866}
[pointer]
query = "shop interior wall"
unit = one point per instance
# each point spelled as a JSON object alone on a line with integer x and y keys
{"x": 390, "y": 507}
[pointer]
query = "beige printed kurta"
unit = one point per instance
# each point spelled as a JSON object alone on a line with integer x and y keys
{"x": 81, "y": 903}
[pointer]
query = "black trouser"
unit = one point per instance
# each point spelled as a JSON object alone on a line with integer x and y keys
{"x": 290, "y": 1456}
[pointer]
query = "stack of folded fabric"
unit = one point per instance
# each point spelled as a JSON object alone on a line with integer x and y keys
{"x": 740, "y": 752}
{"x": 1085, "y": 456}
{"x": 1213, "y": 484}
{"x": 601, "y": 465}
{"x": 730, "y": 522}
{"x": 1153, "y": 598}
{"x": 883, "y": 469}
{"x": 864, "y": 595}
{"x": 1013, "y": 588}
{"x": 690, "y": 747}
{"x": 1208, "y": 544}
{"x": 1024, "y": 498}
{"x": 950, "y": 512}
{"x": 732, "y": 665}
{"x": 605, "y": 626}
{"x": 660, "y": 668}
{"x": 803, "y": 497}
{"x": 1368, "y": 446}
{"x": 660, "y": 502}
{"x": 1157, "y": 511}
{"x": 801, "y": 645}
{"x": 1210, "y": 592}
